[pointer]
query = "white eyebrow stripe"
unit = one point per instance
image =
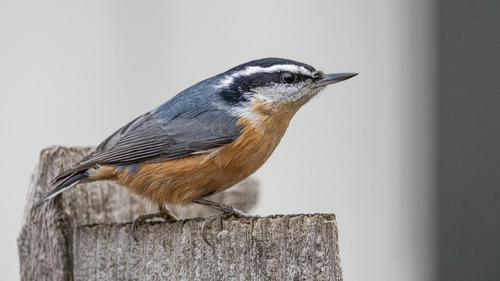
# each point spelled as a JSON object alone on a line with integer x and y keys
{"x": 249, "y": 70}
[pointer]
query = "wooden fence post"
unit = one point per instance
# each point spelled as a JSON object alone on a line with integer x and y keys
{"x": 84, "y": 234}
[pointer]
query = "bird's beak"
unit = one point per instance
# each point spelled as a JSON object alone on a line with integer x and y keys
{"x": 333, "y": 78}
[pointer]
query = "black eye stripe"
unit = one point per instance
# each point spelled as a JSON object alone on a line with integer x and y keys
{"x": 262, "y": 79}
{"x": 239, "y": 88}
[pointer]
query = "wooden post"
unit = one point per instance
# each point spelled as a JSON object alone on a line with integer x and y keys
{"x": 84, "y": 234}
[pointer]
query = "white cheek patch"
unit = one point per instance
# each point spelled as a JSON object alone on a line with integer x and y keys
{"x": 279, "y": 93}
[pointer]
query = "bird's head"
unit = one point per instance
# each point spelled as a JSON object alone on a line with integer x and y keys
{"x": 266, "y": 86}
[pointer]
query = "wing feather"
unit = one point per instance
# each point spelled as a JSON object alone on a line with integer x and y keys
{"x": 151, "y": 138}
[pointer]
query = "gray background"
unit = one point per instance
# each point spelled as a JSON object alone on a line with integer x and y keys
{"x": 71, "y": 73}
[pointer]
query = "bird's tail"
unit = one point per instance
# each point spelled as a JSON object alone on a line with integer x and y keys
{"x": 65, "y": 184}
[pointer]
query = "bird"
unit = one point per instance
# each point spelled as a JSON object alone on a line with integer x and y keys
{"x": 205, "y": 139}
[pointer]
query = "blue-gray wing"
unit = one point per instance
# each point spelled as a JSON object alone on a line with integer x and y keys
{"x": 153, "y": 138}
{"x": 157, "y": 139}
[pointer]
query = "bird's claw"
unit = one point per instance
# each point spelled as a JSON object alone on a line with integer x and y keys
{"x": 235, "y": 213}
{"x": 167, "y": 216}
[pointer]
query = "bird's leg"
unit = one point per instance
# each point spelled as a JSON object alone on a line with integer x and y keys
{"x": 163, "y": 213}
{"x": 227, "y": 211}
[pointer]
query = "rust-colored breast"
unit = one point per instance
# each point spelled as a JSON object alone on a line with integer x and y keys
{"x": 180, "y": 181}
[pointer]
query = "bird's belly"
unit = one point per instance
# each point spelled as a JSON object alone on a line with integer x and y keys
{"x": 182, "y": 180}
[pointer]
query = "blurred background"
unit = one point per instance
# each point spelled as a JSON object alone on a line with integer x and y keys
{"x": 383, "y": 151}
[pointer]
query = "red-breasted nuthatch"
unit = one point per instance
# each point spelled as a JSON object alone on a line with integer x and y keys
{"x": 206, "y": 138}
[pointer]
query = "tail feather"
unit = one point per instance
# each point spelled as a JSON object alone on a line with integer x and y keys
{"x": 64, "y": 185}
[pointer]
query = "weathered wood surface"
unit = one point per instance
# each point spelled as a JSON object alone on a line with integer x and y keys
{"x": 298, "y": 247}
{"x": 83, "y": 234}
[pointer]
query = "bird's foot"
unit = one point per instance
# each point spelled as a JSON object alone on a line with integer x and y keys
{"x": 163, "y": 214}
{"x": 227, "y": 212}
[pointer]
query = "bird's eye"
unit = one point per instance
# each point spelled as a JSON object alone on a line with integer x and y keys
{"x": 288, "y": 77}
